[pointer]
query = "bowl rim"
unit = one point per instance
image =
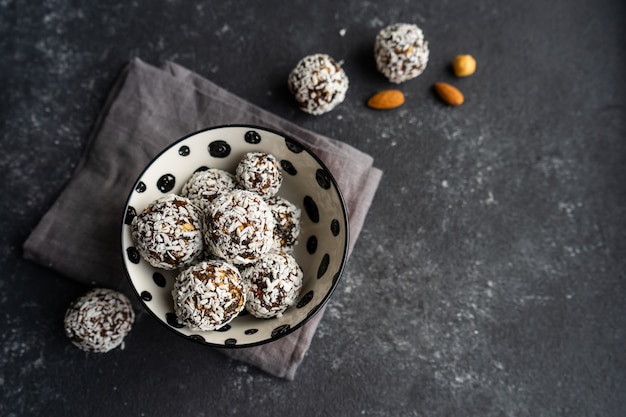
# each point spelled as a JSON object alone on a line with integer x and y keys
{"x": 317, "y": 309}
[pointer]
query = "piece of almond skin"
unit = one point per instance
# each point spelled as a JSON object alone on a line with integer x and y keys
{"x": 449, "y": 94}
{"x": 386, "y": 100}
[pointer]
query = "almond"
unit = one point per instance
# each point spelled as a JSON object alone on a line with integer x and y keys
{"x": 386, "y": 100}
{"x": 449, "y": 94}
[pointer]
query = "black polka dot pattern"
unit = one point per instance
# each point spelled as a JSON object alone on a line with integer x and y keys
{"x": 306, "y": 299}
{"x": 141, "y": 187}
{"x": 166, "y": 183}
{"x": 311, "y": 209}
{"x": 252, "y": 137}
{"x": 146, "y": 296}
{"x": 130, "y": 215}
{"x": 280, "y": 330}
{"x": 322, "y": 178}
{"x": 224, "y": 328}
{"x": 323, "y": 266}
{"x": 311, "y": 244}
{"x": 335, "y": 228}
{"x": 159, "y": 279}
{"x": 251, "y": 331}
{"x": 202, "y": 168}
{"x": 133, "y": 255}
{"x": 293, "y": 146}
{"x": 288, "y": 167}
{"x": 172, "y": 320}
{"x": 184, "y": 150}
{"x": 197, "y": 338}
{"x": 219, "y": 149}
{"x": 230, "y": 342}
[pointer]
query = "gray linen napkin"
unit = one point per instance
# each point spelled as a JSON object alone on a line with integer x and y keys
{"x": 148, "y": 109}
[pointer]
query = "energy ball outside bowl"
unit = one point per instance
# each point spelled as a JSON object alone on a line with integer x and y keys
{"x": 208, "y": 295}
{"x": 169, "y": 233}
{"x": 318, "y": 84}
{"x": 99, "y": 320}
{"x": 272, "y": 284}
{"x": 239, "y": 227}
{"x": 259, "y": 172}
{"x": 401, "y": 52}
{"x": 204, "y": 186}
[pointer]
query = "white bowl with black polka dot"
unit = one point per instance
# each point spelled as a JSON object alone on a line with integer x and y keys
{"x": 322, "y": 246}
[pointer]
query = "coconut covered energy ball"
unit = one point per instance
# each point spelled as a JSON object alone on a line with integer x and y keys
{"x": 401, "y": 52}
{"x": 318, "y": 83}
{"x": 287, "y": 219}
{"x": 168, "y": 233}
{"x": 208, "y": 295}
{"x": 204, "y": 186}
{"x": 99, "y": 320}
{"x": 259, "y": 172}
{"x": 272, "y": 284}
{"x": 239, "y": 227}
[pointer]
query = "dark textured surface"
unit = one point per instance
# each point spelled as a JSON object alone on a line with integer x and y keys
{"x": 489, "y": 279}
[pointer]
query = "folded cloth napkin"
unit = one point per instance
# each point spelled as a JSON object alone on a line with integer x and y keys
{"x": 147, "y": 110}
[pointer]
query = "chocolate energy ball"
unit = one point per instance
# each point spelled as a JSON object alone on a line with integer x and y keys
{"x": 208, "y": 295}
{"x": 239, "y": 227}
{"x": 318, "y": 83}
{"x": 401, "y": 52}
{"x": 204, "y": 186}
{"x": 287, "y": 218}
{"x": 259, "y": 172}
{"x": 99, "y": 320}
{"x": 272, "y": 284}
{"x": 169, "y": 233}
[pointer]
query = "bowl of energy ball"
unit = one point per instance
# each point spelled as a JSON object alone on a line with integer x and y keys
{"x": 234, "y": 236}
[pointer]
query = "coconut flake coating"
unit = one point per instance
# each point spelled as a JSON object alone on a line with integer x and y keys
{"x": 204, "y": 186}
{"x": 318, "y": 83}
{"x": 287, "y": 219}
{"x": 401, "y": 52}
{"x": 208, "y": 295}
{"x": 99, "y": 320}
{"x": 259, "y": 172}
{"x": 272, "y": 284}
{"x": 239, "y": 227}
{"x": 168, "y": 233}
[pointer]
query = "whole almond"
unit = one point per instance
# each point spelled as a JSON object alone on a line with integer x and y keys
{"x": 386, "y": 100}
{"x": 449, "y": 94}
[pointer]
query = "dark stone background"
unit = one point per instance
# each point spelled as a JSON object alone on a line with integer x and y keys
{"x": 489, "y": 279}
